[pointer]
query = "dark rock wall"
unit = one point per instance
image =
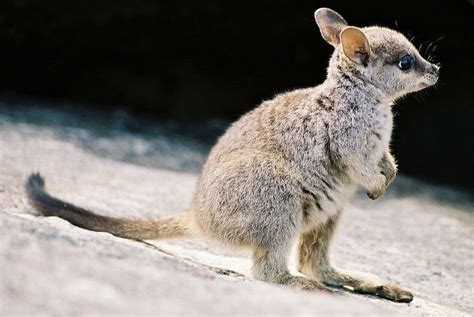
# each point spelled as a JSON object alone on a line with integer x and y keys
{"x": 191, "y": 59}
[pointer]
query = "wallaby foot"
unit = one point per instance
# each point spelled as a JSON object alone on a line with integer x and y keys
{"x": 365, "y": 285}
{"x": 313, "y": 261}
{"x": 270, "y": 265}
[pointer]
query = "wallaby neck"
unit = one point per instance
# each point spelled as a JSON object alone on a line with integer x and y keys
{"x": 351, "y": 91}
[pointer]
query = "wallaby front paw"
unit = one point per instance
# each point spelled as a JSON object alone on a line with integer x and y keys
{"x": 388, "y": 169}
{"x": 389, "y": 174}
{"x": 378, "y": 187}
{"x": 375, "y": 194}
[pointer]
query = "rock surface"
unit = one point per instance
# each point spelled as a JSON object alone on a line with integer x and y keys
{"x": 418, "y": 236}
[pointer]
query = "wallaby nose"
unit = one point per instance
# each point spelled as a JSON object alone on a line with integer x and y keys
{"x": 435, "y": 69}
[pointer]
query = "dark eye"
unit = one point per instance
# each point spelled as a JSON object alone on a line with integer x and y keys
{"x": 406, "y": 62}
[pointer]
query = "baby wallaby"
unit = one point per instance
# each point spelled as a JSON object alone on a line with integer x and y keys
{"x": 284, "y": 171}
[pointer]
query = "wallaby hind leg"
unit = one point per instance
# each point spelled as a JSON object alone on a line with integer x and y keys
{"x": 270, "y": 265}
{"x": 313, "y": 261}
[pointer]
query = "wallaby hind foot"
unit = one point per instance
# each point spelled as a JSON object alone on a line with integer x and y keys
{"x": 313, "y": 261}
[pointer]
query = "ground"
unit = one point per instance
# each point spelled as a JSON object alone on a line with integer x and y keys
{"x": 419, "y": 236}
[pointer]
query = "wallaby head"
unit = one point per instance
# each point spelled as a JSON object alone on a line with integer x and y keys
{"x": 379, "y": 56}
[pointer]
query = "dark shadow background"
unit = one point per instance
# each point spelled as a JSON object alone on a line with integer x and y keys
{"x": 193, "y": 60}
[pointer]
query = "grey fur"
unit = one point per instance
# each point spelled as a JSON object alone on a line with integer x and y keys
{"x": 285, "y": 170}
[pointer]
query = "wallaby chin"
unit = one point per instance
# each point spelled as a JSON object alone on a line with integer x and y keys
{"x": 147, "y": 229}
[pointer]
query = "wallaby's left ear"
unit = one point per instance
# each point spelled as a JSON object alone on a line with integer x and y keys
{"x": 355, "y": 45}
{"x": 330, "y": 24}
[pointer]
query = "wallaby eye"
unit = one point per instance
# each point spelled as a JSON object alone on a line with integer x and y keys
{"x": 406, "y": 62}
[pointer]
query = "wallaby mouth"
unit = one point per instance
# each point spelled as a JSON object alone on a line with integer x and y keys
{"x": 431, "y": 76}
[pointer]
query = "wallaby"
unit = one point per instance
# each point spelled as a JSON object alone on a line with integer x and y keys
{"x": 284, "y": 171}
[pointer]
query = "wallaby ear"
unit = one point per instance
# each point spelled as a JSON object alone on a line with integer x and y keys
{"x": 355, "y": 45}
{"x": 330, "y": 24}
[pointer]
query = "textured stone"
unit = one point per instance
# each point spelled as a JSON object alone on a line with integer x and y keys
{"x": 418, "y": 236}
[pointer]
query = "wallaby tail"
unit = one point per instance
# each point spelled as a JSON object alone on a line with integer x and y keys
{"x": 133, "y": 229}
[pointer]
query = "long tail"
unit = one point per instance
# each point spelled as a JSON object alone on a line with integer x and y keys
{"x": 133, "y": 229}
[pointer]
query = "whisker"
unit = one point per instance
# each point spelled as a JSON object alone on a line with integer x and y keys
{"x": 396, "y": 24}
{"x": 438, "y": 39}
{"x": 420, "y": 48}
{"x": 430, "y": 46}
{"x": 430, "y": 58}
{"x": 410, "y": 36}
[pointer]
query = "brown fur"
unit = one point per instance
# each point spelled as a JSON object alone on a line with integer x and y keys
{"x": 132, "y": 229}
{"x": 285, "y": 170}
